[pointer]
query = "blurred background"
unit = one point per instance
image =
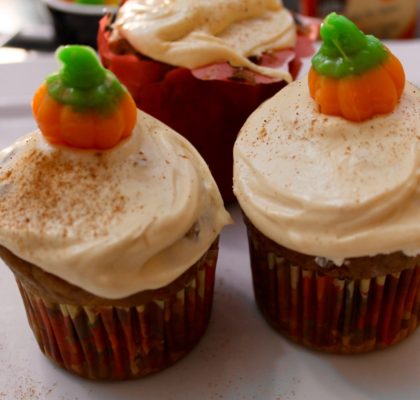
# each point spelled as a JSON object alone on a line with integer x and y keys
{"x": 40, "y": 25}
{"x": 43, "y": 24}
{"x": 388, "y": 19}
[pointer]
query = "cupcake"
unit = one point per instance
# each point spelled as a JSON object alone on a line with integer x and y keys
{"x": 110, "y": 223}
{"x": 202, "y": 67}
{"x": 327, "y": 178}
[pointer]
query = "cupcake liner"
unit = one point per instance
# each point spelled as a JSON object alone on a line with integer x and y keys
{"x": 333, "y": 314}
{"x": 123, "y": 342}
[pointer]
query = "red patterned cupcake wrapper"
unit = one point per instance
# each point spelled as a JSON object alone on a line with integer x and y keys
{"x": 113, "y": 343}
{"x": 330, "y": 314}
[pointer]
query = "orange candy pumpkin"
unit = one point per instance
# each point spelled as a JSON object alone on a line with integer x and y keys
{"x": 83, "y": 105}
{"x": 90, "y": 129}
{"x": 353, "y": 75}
{"x": 359, "y": 97}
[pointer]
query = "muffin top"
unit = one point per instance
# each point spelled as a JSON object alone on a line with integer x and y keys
{"x": 326, "y": 186}
{"x": 196, "y": 33}
{"x": 112, "y": 222}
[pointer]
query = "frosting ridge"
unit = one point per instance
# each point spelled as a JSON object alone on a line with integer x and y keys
{"x": 196, "y": 33}
{"x": 110, "y": 222}
{"x": 328, "y": 187}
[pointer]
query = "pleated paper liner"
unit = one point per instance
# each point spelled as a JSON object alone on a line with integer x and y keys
{"x": 331, "y": 314}
{"x": 115, "y": 343}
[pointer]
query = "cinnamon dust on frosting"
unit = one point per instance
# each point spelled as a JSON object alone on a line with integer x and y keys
{"x": 39, "y": 181}
{"x": 327, "y": 187}
{"x": 114, "y": 222}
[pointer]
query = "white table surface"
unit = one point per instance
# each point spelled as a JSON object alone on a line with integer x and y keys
{"x": 240, "y": 357}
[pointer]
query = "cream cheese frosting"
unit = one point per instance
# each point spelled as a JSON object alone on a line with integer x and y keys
{"x": 114, "y": 222}
{"x": 196, "y": 33}
{"x": 327, "y": 187}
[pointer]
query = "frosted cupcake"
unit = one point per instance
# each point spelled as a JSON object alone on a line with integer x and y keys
{"x": 327, "y": 178}
{"x": 202, "y": 67}
{"x": 109, "y": 221}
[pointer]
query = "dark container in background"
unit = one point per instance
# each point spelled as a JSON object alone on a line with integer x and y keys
{"x": 76, "y": 23}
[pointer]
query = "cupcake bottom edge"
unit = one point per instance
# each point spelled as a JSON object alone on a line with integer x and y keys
{"x": 331, "y": 314}
{"x": 124, "y": 342}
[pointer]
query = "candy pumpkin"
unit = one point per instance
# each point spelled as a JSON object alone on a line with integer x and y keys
{"x": 353, "y": 75}
{"x": 83, "y": 105}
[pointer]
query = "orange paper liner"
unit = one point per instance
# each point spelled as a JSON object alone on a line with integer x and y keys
{"x": 330, "y": 314}
{"x": 115, "y": 343}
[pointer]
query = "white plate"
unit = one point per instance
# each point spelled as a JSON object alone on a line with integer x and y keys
{"x": 240, "y": 357}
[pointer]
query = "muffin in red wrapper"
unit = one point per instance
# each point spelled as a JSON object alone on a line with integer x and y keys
{"x": 201, "y": 86}
{"x": 99, "y": 338}
{"x": 340, "y": 309}
{"x": 110, "y": 223}
{"x": 327, "y": 181}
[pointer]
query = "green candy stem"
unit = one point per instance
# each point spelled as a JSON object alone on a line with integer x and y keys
{"x": 346, "y": 50}
{"x": 82, "y": 81}
{"x": 90, "y": 1}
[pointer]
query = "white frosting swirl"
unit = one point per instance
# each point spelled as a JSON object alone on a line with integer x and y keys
{"x": 196, "y": 33}
{"x": 328, "y": 187}
{"x": 115, "y": 222}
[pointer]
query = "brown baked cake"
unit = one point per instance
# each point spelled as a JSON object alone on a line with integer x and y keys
{"x": 367, "y": 303}
{"x": 113, "y": 339}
